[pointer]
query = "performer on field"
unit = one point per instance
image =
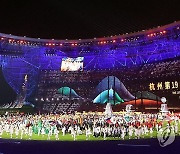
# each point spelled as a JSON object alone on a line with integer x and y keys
{"x": 56, "y": 132}
{"x": 64, "y": 130}
{"x": 88, "y": 133}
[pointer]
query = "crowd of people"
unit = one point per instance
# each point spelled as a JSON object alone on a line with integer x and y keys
{"x": 120, "y": 125}
{"x": 162, "y": 68}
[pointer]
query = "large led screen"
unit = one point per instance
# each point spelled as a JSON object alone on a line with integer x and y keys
{"x": 72, "y": 64}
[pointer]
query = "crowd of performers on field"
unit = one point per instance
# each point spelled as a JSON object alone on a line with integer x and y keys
{"x": 119, "y": 126}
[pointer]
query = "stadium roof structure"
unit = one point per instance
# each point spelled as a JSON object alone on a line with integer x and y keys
{"x": 145, "y": 33}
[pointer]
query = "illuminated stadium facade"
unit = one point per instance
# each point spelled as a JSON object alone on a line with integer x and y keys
{"x": 137, "y": 68}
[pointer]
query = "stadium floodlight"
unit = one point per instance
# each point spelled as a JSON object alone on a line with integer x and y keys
{"x": 42, "y": 99}
{"x": 47, "y": 99}
{"x": 36, "y": 99}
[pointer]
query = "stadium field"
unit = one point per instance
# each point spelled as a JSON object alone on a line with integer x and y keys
{"x": 68, "y": 137}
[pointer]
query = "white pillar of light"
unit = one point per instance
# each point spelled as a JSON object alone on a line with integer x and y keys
{"x": 108, "y": 110}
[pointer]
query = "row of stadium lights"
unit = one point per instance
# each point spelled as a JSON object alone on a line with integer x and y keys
{"x": 10, "y": 56}
{"x": 76, "y": 44}
{"x": 157, "y": 33}
{"x": 47, "y": 99}
{"x": 121, "y": 40}
{"x": 12, "y": 41}
{"x": 21, "y": 42}
{"x": 104, "y": 42}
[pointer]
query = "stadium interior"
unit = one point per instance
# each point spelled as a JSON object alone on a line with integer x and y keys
{"x": 58, "y": 76}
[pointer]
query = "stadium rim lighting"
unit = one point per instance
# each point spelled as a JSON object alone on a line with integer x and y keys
{"x": 164, "y": 31}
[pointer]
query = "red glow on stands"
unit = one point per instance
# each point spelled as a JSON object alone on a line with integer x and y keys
{"x": 164, "y": 31}
{"x": 151, "y": 35}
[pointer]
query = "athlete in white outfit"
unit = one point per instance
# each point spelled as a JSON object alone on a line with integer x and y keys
{"x": 16, "y": 131}
{"x": 56, "y": 132}
{"x": 123, "y": 133}
{"x": 73, "y": 133}
{"x": 11, "y": 130}
{"x": 30, "y": 132}
{"x": 1, "y": 130}
{"x": 88, "y": 133}
{"x": 22, "y": 132}
{"x": 130, "y": 132}
{"x": 64, "y": 130}
{"x": 43, "y": 131}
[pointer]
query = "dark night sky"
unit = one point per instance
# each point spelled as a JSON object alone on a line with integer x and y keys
{"x": 61, "y": 19}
